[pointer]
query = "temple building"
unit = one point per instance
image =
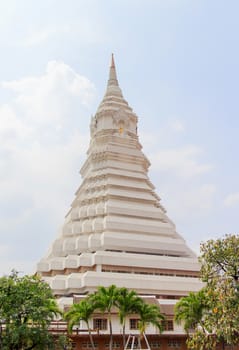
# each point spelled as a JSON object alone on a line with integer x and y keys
{"x": 118, "y": 232}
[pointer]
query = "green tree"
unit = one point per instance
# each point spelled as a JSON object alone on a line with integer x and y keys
{"x": 149, "y": 314}
{"x": 217, "y": 320}
{"x": 128, "y": 302}
{"x": 220, "y": 271}
{"x": 63, "y": 342}
{"x": 219, "y": 260}
{"x": 105, "y": 299}
{"x": 27, "y": 307}
{"x": 81, "y": 311}
{"x": 190, "y": 310}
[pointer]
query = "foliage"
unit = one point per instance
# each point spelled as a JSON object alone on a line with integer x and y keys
{"x": 191, "y": 310}
{"x": 104, "y": 299}
{"x": 63, "y": 342}
{"x": 219, "y": 259}
{"x": 220, "y": 271}
{"x": 150, "y": 314}
{"x": 128, "y": 302}
{"x": 201, "y": 340}
{"x": 80, "y": 312}
{"x": 218, "y": 318}
{"x": 27, "y": 307}
{"x": 107, "y": 299}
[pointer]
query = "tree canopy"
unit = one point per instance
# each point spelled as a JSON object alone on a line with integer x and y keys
{"x": 217, "y": 316}
{"x": 191, "y": 310}
{"x": 107, "y": 299}
{"x": 104, "y": 300}
{"x": 150, "y": 314}
{"x": 128, "y": 302}
{"x": 27, "y": 307}
{"x": 81, "y": 311}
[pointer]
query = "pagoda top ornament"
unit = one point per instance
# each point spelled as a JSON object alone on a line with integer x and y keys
{"x": 114, "y": 113}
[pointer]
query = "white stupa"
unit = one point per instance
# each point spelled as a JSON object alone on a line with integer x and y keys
{"x": 117, "y": 231}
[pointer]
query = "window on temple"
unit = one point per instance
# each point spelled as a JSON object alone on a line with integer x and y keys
{"x": 174, "y": 343}
{"x": 133, "y": 323}
{"x": 87, "y": 345}
{"x": 155, "y": 344}
{"x": 115, "y": 345}
{"x": 100, "y": 323}
{"x": 168, "y": 325}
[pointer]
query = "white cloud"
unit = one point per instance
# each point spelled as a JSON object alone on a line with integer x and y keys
{"x": 43, "y": 141}
{"x": 34, "y": 126}
{"x": 11, "y": 127}
{"x": 232, "y": 200}
{"x": 187, "y": 202}
{"x": 51, "y": 97}
{"x": 179, "y": 174}
{"x": 183, "y": 161}
{"x": 200, "y": 198}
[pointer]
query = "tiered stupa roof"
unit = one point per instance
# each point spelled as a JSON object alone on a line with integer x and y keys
{"x": 116, "y": 231}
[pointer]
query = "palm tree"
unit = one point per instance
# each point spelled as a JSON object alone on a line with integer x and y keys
{"x": 191, "y": 309}
{"x": 104, "y": 299}
{"x": 128, "y": 302}
{"x": 52, "y": 306}
{"x": 150, "y": 314}
{"x": 81, "y": 311}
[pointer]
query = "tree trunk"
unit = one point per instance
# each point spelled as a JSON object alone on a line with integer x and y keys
{"x": 124, "y": 340}
{"x": 91, "y": 337}
{"x": 111, "y": 334}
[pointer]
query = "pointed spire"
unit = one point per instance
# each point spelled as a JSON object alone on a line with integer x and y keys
{"x": 112, "y": 75}
{"x": 113, "y": 93}
{"x": 112, "y": 60}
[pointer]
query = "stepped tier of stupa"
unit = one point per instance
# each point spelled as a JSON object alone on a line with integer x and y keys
{"x": 117, "y": 231}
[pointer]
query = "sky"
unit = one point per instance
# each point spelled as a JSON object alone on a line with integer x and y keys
{"x": 178, "y": 67}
